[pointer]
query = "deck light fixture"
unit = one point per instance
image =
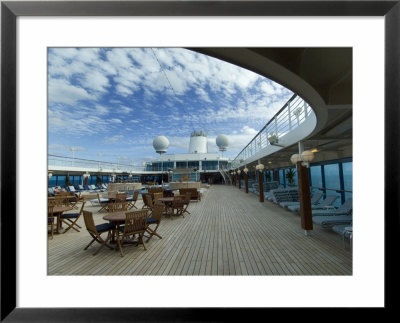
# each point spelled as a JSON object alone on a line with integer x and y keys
{"x": 246, "y": 170}
{"x": 306, "y": 157}
{"x": 260, "y": 167}
{"x": 86, "y": 175}
{"x": 295, "y": 158}
{"x": 49, "y": 174}
{"x": 239, "y": 171}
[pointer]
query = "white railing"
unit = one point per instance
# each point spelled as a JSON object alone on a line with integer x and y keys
{"x": 289, "y": 117}
{"x": 55, "y": 161}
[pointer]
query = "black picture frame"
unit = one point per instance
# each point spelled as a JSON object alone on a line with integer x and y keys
{"x": 10, "y": 10}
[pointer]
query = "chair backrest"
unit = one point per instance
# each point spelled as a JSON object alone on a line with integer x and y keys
{"x": 83, "y": 205}
{"x": 187, "y": 198}
{"x": 136, "y": 221}
{"x": 120, "y": 197}
{"x": 157, "y": 212}
{"x": 148, "y": 200}
{"x": 346, "y": 207}
{"x": 315, "y": 198}
{"x": 135, "y": 195}
{"x": 158, "y": 195}
{"x": 177, "y": 202}
{"x": 117, "y": 207}
{"x": 329, "y": 200}
{"x": 112, "y": 194}
{"x": 89, "y": 222}
{"x": 60, "y": 200}
{"x": 71, "y": 188}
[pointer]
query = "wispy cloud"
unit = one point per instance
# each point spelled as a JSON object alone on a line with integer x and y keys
{"x": 140, "y": 93}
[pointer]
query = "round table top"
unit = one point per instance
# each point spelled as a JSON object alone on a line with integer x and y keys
{"x": 60, "y": 209}
{"x": 115, "y": 216}
{"x": 166, "y": 199}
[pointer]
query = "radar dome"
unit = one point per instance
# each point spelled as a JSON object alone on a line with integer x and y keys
{"x": 160, "y": 144}
{"x": 222, "y": 142}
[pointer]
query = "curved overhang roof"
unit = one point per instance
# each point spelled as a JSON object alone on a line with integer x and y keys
{"x": 321, "y": 76}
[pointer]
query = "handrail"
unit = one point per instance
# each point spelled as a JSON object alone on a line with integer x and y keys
{"x": 294, "y": 112}
{"x": 56, "y": 160}
{"x": 330, "y": 189}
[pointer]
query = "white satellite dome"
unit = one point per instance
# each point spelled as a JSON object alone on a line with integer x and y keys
{"x": 160, "y": 144}
{"x": 222, "y": 142}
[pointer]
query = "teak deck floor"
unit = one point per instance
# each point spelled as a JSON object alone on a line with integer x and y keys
{"x": 228, "y": 232}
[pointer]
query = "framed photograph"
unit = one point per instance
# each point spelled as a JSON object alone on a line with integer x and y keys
{"x": 237, "y": 25}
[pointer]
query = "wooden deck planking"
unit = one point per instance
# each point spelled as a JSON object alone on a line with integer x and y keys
{"x": 227, "y": 233}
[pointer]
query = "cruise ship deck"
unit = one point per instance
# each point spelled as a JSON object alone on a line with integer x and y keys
{"x": 227, "y": 233}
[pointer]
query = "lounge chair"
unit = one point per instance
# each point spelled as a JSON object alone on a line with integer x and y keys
{"x": 328, "y": 221}
{"x": 327, "y": 203}
{"x": 343, "y": 230}
{"x": 345, "y": 209}
{"x": 314, "y": 200}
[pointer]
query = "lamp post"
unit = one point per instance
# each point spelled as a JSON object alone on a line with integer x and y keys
{"x": 246, "y": 179}
{"x": 238, "y": 172}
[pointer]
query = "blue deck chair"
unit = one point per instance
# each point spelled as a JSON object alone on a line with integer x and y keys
{"x": 345, "y": 209}
{"x": 314, "y": 200}
{"x": 328, "y": 202}
{"x": 328, "y": 221}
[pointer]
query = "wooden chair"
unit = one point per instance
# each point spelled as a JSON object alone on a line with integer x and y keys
{"x": 70, "y": 219}
{"x": 155, "y": 218}
{"x": 157, "y": 196}
{"x": 117, "y": 207}
{"x": 50, "y": 220}
{"x": 132, "y": 200}
{"x": 147, "y": 201}
{"x": 135, "y": 223}
{"x": 176, "y": 206}
{"x": 186, "y": 202}
{"x": 96, "y": 230}
{"x": 120, "y": 197}
{"x": 60, "y": 200}
{"x": 103, "y": 203}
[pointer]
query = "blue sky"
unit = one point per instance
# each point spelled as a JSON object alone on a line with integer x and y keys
{"x": 110, "y": 103}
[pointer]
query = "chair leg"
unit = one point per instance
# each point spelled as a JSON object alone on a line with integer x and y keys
{"x": 72, "y": 225}
{"x": 141, "y": 240}
{"x": 153, "y": 232}
{"x": 104, "y": 243}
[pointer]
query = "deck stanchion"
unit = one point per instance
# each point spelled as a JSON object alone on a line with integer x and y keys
{"x": 305, "y": 198}
{"x": 261, "y": 185}
{"x": 246, "y": 182}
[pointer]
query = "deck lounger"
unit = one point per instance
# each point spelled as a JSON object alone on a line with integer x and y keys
{"x": 328, "y": 202}
{"x": 314, "y": 200}
{"x": 329, "y": 221}
{"x": 345, "y": 209}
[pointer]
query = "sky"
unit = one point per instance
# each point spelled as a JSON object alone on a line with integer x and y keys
{"x": 109, "y": 104}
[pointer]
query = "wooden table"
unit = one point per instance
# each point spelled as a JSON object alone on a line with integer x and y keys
{"x": 166, "y": 201}
{"x": 58, "y": 211}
